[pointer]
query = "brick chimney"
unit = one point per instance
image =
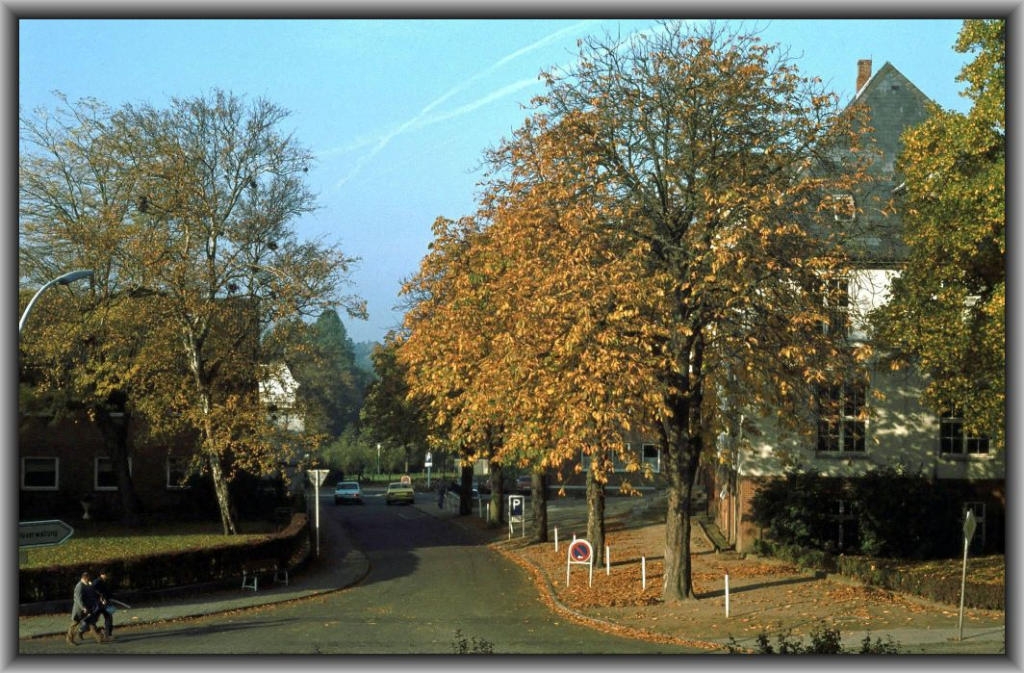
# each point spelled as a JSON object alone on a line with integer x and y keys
{"x": 863, "y": 72}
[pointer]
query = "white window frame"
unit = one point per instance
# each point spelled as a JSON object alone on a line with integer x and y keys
{"x": 618, "y": 465}
{"x": 97, "y": 461}
{"x": 848, "y": 419}
{"x": 844, "y": 207}
{"x": 56, "y": 473}
{"x": 172, "y": 472}
{"x": 957, "y": 444}
{"x": 841, "y": 313}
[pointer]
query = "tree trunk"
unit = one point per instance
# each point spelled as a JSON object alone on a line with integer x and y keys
{"x": 466, "y": 490}
{"x": 220, "y": 485}
{"x": 497, "y": 496}
{"x": 539, "y": 489}
{"x": 220, "y": 488}
{"x": 595, "y": 511}
{"x": 683, "y": 455}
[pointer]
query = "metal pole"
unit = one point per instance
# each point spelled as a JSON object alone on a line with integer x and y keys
{"x": 64, "y": 279}
{"x": 963, "y": 586}
{"x": 317, "y": 491}
{"x": 969, "y": 526}
{"x": 726, "y": 595}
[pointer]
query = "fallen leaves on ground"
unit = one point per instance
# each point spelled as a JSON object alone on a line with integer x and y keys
{"x": 765, "y": 595}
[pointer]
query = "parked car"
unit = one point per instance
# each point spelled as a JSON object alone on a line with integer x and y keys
{"x": 524, "y": 483}
{"x": 399, "y": 492}
{"x": 348, "y": 491}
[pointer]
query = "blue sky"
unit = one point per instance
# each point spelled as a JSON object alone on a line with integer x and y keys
{"x": 399, "y": 112}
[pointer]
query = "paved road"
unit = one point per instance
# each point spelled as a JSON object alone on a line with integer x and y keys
{"x": 430, "y": 585}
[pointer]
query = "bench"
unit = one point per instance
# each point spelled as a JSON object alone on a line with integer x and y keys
{"x": 251, "y": 572}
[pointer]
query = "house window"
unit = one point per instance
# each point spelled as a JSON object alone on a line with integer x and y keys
{"x": 847, "y": 531}
{"x": 105, "y": 478}
{"x": 841, "y": 414}
{"x": 844, "y": 207}
{"x": 953, "y": 441}
{"x": 177, "y": 472}
{"x": 652, "y": 456}
{"x": 835, "y": 297}
{"x": 39, "y": 474}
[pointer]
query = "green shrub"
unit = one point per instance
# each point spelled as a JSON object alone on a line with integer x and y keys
{"x": 886, "y": 514}
{"x": 462, "y": 645}
{"x": 154, "y": 572}
{"x": 823, "y": 640}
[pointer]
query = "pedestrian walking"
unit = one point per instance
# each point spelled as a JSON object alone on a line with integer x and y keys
{"x": 101, "y": 585}
{"x": 85, "y": 610}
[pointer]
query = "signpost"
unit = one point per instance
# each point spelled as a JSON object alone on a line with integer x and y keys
{"x": 43, "y": 533}
{"x": 428, "y": 463}
{"x": 580, "y": 552}
{"x": 516, "y": 514}
{"x": 970, "y": 523}
{"x": 317, "y": 477}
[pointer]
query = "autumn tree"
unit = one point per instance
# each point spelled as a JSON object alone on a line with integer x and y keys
{"x": 947, "y": 308}
{"x": 78, "y": 356}
{"x": 200, "y": 225}
{"x": 564, "y": 364}
{"x": 447, "y": 333}
{"x": 689, "y": 171}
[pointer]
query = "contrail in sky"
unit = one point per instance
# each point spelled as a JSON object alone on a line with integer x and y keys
{"x": 421, "y": 119}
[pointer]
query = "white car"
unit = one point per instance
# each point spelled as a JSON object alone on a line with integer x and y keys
{"x": 348, "y": 491}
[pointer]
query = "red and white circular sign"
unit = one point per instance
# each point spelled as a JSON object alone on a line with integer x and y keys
{"x": 580, "y": 551}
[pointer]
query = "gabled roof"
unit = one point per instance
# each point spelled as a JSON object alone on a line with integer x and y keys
{"x": 895, "y": 104}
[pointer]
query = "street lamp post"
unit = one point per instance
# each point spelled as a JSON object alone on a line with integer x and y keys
{"x": 65, "y": 279}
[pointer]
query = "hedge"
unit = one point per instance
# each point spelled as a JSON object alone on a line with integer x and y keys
{"x": 166, "y": 572}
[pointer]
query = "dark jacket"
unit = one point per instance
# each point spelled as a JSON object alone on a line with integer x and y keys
{"x": 102, "y": 591}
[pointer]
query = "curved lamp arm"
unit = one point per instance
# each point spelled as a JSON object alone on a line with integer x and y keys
{"x": 65, "y": 279}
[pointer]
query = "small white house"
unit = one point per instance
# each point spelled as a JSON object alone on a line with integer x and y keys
{"x": 278, "y": 393}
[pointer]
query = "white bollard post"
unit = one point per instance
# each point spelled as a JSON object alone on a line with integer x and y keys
{"x": 726, "y": 595}
{"x": 607, "y": 560}
{"x": 643, "y": 572}
{"x": 556, "y": 538}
